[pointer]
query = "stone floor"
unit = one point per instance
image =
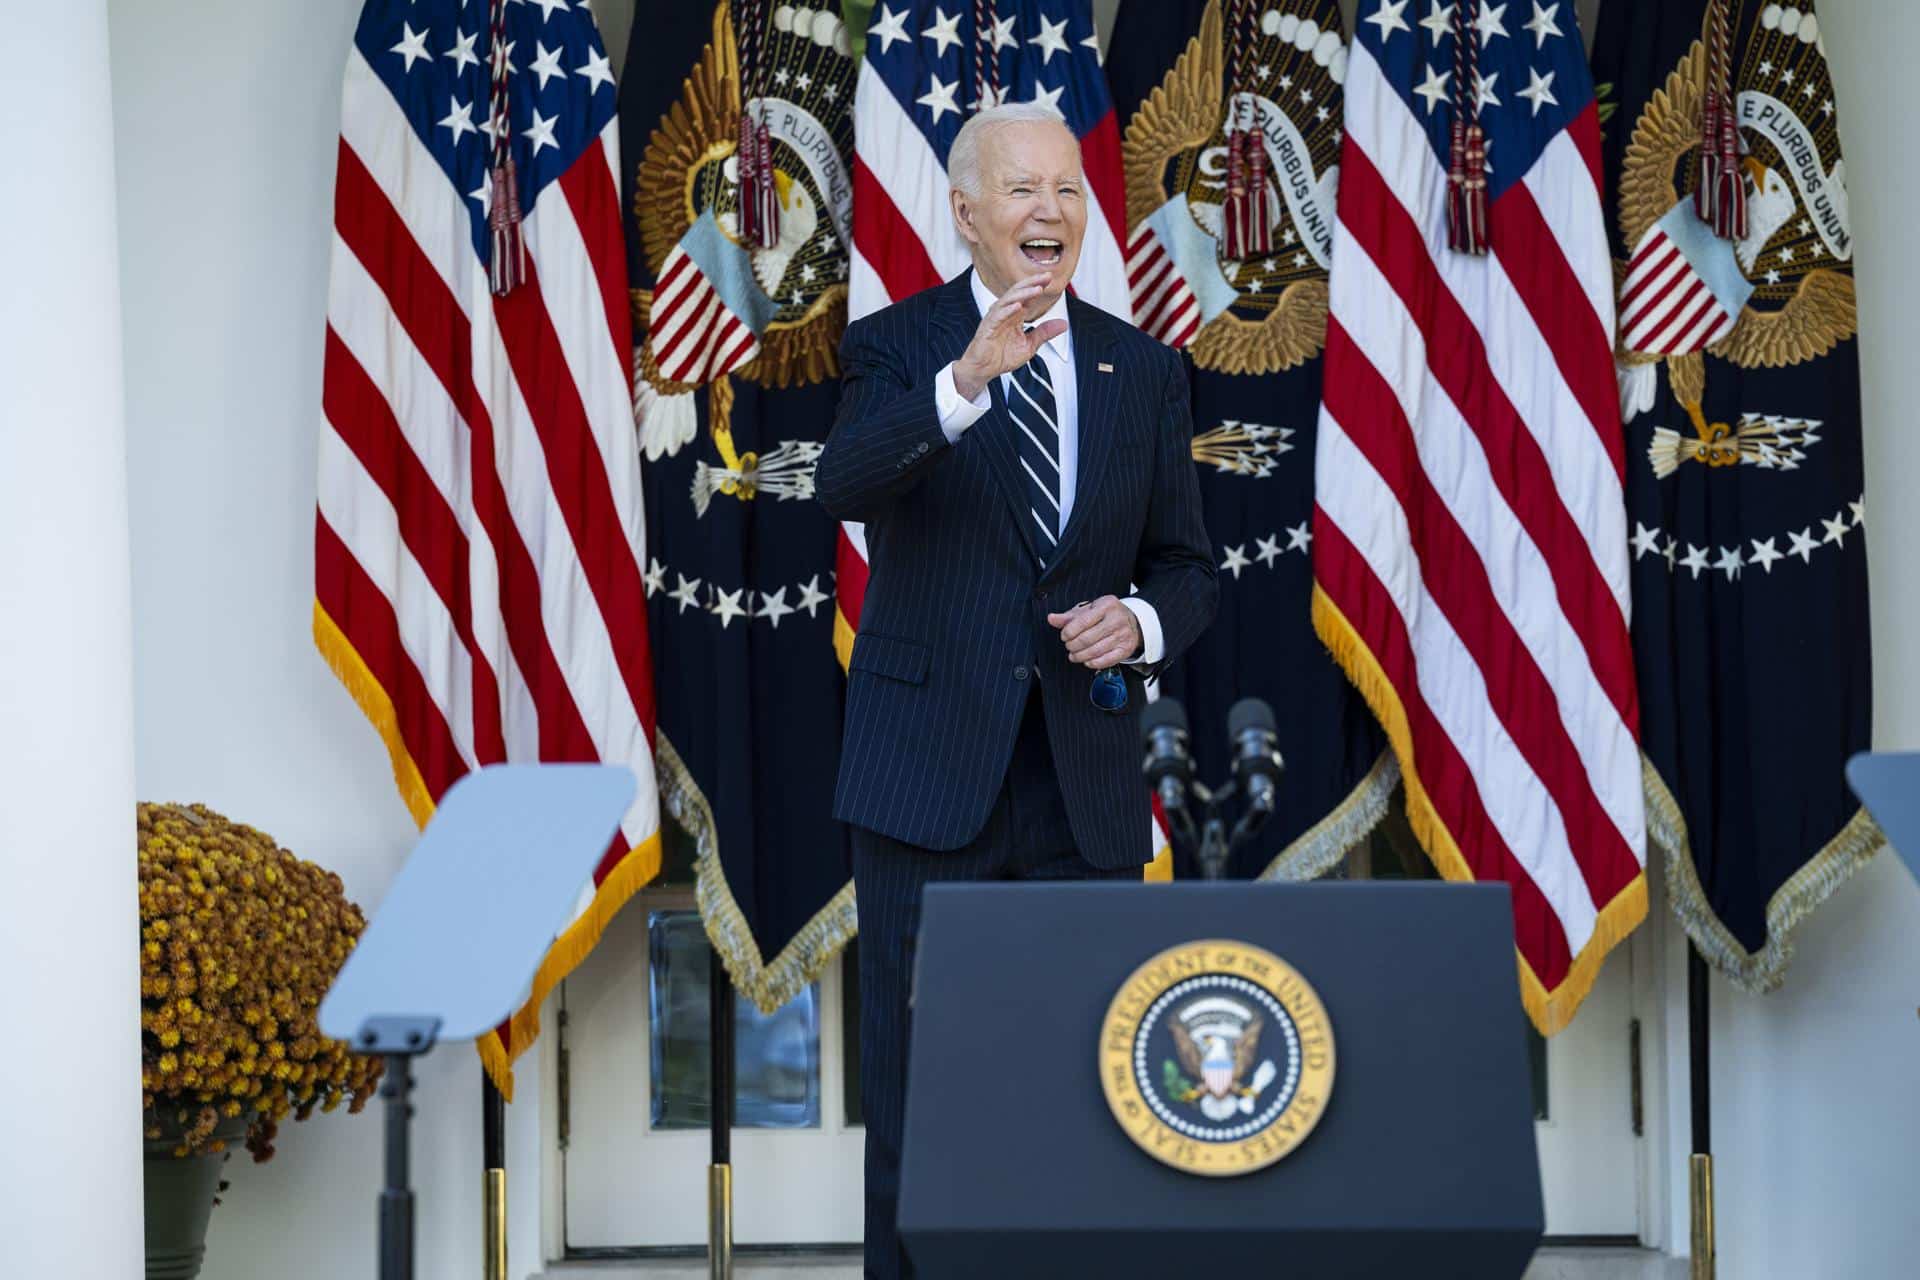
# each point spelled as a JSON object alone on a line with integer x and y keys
{"x": 1605, "y": 1264}
{"x": 1551, "y": 1264}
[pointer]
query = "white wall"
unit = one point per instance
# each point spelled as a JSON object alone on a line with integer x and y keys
{"x": 69, "y": 945}
{"x": 225, "y": 115}
{"x": 1816, "y": 1110}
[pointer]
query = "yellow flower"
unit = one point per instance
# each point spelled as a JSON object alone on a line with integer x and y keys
{"x": 239, "y": 941}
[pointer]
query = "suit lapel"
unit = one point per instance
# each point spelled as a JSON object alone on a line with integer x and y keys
{"x": 956, "y": 317}
{"x": 1092, "y": 343}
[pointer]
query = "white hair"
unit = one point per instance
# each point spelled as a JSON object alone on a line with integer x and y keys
{"x": 963, "y": 158}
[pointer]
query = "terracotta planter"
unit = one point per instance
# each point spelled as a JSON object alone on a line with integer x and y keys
{"x": 179, "y": 1198}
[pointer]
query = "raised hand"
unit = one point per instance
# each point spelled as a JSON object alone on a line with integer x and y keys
{"x": 1002, "y": 343}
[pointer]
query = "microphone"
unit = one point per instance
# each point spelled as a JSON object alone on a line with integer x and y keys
{"x": 1256, "y": 755}
{"x": 1168, "y": 764}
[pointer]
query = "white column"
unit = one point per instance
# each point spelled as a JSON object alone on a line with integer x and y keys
{"x": 69, "y": 1076}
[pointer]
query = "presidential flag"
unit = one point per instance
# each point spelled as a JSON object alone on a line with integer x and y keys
{"x": 1231, "y": 151}
{"x": 1470, "y": 542}
{"x": 928, "y": 66}
{"x": 1744, "y": 479}
{"x": 737, "y": 122}
{"x": 480, "y": 541}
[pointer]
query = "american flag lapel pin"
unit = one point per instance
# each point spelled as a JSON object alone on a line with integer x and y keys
{"x": 1104, "y": 367}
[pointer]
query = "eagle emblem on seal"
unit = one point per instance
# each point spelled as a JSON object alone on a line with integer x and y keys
{"x": 1218, "y": 1044}
{"x": 1217, "y": 1057}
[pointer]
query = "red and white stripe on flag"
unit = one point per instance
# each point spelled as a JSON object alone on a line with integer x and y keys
{"x": 1667, "y": 308}
{"x": 1163, "y": 302}
{"x": 479, "y": 536}
{"x": 1470, "y": 549}
{"x": 696, "y": 338}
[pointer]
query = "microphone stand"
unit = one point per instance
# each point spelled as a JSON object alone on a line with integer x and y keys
{"x": 1183, "y": 797}
{"x": 1215, "y": 843}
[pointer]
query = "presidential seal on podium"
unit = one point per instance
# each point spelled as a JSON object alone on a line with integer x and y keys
{"x": 1217, "y": 1057}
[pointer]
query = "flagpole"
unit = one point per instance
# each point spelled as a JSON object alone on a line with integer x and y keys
{"x": 720, "y": 1172}
{"x": 493, "y": 1180}
{"x": 1700, "y": 1167}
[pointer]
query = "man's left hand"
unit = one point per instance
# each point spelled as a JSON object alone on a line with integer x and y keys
{"x": 1099, "y": 634}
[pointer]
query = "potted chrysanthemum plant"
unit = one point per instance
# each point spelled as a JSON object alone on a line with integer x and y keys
{"x": 239, "y": 941}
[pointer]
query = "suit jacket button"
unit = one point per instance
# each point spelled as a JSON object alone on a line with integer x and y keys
{"x": 922, "y": 447}
{"x": 1019, "y": 673}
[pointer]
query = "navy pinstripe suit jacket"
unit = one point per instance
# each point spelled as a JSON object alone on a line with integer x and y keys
{"x": 954, "y": 625}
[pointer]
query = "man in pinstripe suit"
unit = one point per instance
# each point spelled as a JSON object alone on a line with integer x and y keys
{"x": 1022, "y": 463}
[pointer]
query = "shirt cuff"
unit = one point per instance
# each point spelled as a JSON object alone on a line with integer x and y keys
{"x": 956, "y": 413}
{"x": 1153, "y": 644}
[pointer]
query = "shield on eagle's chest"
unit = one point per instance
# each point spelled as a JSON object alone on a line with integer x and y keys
{"x": 1216, "y": 1069}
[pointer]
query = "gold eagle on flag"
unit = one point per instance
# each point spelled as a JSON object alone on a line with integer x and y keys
{"x": 690, "y": 167}
{"x": 1174, "y": 157}
{"x": 1796, "y": 257}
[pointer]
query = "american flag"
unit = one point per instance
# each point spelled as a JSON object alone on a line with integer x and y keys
{"x": 479, "y": 542}
{"x": 1470, "y": 546}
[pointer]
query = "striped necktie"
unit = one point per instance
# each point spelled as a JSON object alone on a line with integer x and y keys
{"x": 1031, "y": 406}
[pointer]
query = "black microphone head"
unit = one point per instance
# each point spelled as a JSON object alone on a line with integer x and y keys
{"x": 1249, "y": 713}
{"x": 1257, "y": 763}
{"x": 1165, "y": 713}
{"x": 1168, "y": 766}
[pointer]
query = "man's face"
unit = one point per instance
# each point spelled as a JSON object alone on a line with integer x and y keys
{"x": 1031, "y": 211}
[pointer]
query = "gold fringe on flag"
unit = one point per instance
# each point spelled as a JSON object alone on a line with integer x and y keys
{"x": 637, "y": 868}
{"x": 1324, "y": 845}
{"x": 1160, "y": 870}
{"x": 1757, "y": 972}
{"x": 374, "y": 703}
{"x": 1553, "y": 1010}
{"x": 769, "y": 984}
{"x": 843, "y": 638}
{"x": 635, "y": 871}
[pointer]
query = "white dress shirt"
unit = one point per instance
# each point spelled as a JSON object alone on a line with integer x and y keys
{"x": 958, "y": 413}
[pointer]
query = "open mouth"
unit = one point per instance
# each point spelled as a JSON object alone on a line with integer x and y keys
{"x": 1042, "y": 253}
